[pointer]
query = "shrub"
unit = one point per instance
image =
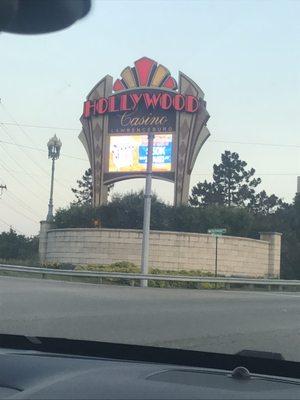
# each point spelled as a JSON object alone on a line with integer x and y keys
{"x": 57, "y": 265}
{"x": 128, "y": 267}
{"x": 121, "y": 266}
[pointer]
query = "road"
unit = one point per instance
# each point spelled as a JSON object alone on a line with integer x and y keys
{"x": 219, "y": 321}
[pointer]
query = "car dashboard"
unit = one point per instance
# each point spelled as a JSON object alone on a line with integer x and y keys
{"x": 32, "y": 375}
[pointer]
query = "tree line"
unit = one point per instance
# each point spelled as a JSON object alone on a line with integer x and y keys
{"x": 14, "y": 246}
{"x": 233, "y": 185}
{"x": 231, "y": 200}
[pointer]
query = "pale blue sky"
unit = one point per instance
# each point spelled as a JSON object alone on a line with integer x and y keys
{"x": 243, "y": 54}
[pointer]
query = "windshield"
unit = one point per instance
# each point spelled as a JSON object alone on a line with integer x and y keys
{"x": 149, "y": 175}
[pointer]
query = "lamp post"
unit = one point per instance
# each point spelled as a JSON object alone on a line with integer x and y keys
{"x": 54, "y": 146}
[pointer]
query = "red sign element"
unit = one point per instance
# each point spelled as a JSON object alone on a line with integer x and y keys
{"x": 143, "y": 68}
{"x": 131, "y": 102}
{"x": 145, "y": 73}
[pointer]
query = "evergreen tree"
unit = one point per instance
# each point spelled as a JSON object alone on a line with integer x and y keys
{"x": 84, "y": 192}
{"x": 234, "y": 185}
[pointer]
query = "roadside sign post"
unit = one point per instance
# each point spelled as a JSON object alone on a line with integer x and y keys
{"x": 216, "y": 258}
{"x": 216, "y": 233}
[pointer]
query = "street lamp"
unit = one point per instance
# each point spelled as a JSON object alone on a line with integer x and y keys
{"x": 54, "y": 146}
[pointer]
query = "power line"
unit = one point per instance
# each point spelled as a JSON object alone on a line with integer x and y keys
{"x": 37, "y": 175}
{"x": 15, "y": 121}
{"x": 210, "y": 140}
{"x": 20, "y": 201}
{"x": 21, "y": 183}
{"x": 40, "y": 185}
{"x": 24, "y": 170}
{"x": 16, "y": 198}
{"x": 10, "y": 226}
{"x": 267, "y": 174}
{"x": 19, "y": 212}
{"x": 30, "y": 158}
{"x": 40, "y": 126}
{"x": 216, "y": 141}
{"x": 39, "y": 149}
{"x": 27, "y": 173}
{"x": 84, "y": 159}
{"x": 256, "y": 143}
{"x": 28, "y": 137}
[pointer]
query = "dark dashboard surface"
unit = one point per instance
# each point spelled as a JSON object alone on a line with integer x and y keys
{"x": 32, "y": 375}
{"x": 56, "y": 368}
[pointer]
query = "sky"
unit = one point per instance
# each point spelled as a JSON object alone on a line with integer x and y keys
{"x": 243, "y": 54}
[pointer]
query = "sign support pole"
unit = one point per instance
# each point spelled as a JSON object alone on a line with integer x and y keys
{"x": 147, "y": 210}
{"x": 216, "y": 232}
{"x": 216, "y": 258}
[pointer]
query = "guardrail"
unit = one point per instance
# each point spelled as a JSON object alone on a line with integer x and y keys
{"x": 227, "y": 281}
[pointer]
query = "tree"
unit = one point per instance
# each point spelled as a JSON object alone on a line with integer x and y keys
{"x": 264, "y": 204}
{"x": 14, "y": 246}
{"x": 234, "y": 181}
{"x": 233, "y": 185}
{"x": 206, "y": 194}
{"x": 84, "y": 193}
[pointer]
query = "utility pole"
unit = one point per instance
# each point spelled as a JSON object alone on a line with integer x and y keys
{"x": 147, "y": 210}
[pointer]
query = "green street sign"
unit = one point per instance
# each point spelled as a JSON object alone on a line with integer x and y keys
{"x": 217, "y": 231}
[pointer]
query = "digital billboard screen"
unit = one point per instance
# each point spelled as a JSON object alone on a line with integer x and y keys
{"x": 129, "y": 153}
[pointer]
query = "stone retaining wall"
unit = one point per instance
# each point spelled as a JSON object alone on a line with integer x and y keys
{"x": 168, "y": 250}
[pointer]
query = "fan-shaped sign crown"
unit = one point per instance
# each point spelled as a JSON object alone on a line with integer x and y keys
{"x": 145, "y": 73}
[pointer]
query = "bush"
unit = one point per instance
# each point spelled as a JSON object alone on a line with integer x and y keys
{"x": 122, "y": 266}
{"x": 186, "y": 285}
{"x": 128, "y": 267}
{"x": 57, "y": 265}
{"x": 126, "y": 212}
{"x": 123, "y": 212}
{"x": 75, "y": 216}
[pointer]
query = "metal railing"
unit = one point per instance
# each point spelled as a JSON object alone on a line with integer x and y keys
{"x": 227, "y": 281}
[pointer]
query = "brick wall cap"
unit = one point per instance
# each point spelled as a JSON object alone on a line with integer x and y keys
{"x": 271, "y": 233}
{"x": 174, "y": 233}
